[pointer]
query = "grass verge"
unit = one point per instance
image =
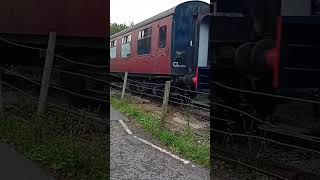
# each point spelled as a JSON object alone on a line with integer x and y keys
{"x": 182, "y": 143}
{"x": 63, "y": 155}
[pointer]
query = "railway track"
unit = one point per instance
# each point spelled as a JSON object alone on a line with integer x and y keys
{"x": 195, "y": 108}
{"x": 275, "y": 161}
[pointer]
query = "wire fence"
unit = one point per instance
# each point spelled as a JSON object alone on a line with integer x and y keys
{"x": 74, "y": 110}
{"x": 278, "y": 149}
{"x": 179, "y": 102}
{"x": 252, "y": 153}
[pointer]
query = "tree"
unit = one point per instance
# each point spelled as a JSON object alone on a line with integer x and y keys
{"x": 115, "y": 27}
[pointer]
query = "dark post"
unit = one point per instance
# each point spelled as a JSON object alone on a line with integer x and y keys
{"x": 47, "y": 72}
{"x": 1, "y": 100}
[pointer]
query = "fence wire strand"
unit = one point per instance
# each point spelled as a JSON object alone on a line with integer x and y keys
{"x": 54, "y": 54}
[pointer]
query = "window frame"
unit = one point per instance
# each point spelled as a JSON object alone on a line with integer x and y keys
{"x": 141, "y": 33}
{"x": 128, "y": 41}
{"x": 113, "y": 44}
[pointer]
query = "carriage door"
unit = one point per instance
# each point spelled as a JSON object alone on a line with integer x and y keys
{"x": 203, "y": 49}
{"x": 162, "y": 43}
{"x": 203, "y": 43}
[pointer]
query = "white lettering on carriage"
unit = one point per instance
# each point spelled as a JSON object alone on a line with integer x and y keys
{"x": 176, "y": 64}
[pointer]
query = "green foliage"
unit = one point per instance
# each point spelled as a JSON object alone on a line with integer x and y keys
{"x": 115, "y": 27}
{"x": 63, "y": 154}
{"x": 183, "y": 144}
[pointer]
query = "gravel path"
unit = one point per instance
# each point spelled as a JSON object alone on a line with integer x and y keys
{"x": 133, "y": 159}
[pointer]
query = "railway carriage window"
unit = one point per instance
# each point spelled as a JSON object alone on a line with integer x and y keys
{"x": 162, "y": 36}
{"x": 113, "y": 49}
{"x": 126, "y": 46}
{"x": 144, "y": 41}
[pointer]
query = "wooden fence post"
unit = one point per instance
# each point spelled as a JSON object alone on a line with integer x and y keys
{"x": 47, "y": 72}
{"x": 1, "y": 100}
{"x": 165, "y": 100}
{"x": 124, "y": 85}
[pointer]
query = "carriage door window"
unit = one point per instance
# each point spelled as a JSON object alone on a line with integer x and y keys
{"x": 203, "y": 44}
{"x": 126, "y": 46}
{"x": 113, "y": 49}
{"x": 144, "y": 41}
{"x": 162, "y": 36}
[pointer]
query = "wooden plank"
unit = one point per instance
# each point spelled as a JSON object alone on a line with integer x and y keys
{"x": 47, "y": 73}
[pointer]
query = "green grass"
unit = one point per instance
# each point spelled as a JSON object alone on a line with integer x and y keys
{"x": 61, "y": 155}
{"x": 182, "y": 143}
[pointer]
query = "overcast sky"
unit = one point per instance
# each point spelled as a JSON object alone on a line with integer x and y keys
{"x": 126, "y": 11}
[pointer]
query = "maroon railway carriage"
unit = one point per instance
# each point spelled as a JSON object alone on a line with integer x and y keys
{"x": 80, "y": 26}
{"x": 67, "y": 18}
{"x": 134, "y": 62}
{"x": 171, "y": 45}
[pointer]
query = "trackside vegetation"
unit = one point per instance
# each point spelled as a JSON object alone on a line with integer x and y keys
{"x": 60, "y": 147}
{"x": 181, "y": 143}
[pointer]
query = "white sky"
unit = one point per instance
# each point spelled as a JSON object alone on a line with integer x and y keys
{"x": 126, "y": 11}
